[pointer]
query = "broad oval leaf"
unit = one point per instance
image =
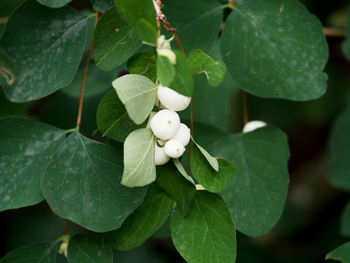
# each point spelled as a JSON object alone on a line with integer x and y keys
{"x": 114, "y": 41}
{"x": 37, "y": 253}
{"x": 145, "y": 220}
{"x": 138, "y": 94}
{"x": 144, "y": 63}
{"x": 276, "y": 49}
{"x": 54, "y": 3}
{"x": 257, "y": 193}
{"x": 341, "y": 253}
{"x": 207, "y": 234}
{"x": 26, "y": 147}
{"x": 82, "y": 184}
{"x": 211, "y": 160}
{"x": 182, "y": 81}
{"x": 165, "y": 70}
{"x": 139, "y": 166}
{"x": 112, "y": 119}
{"x": 197, "y": 22}
{"x": 103, "y": 5}
{"x": 345, "y": 222}
{"x": 90, "y": 249}
{"x": 46, "y": 50}
{"x": 202, "y": 63}
{"x": 8, "y": 72}
{"x": 339, "y": 152}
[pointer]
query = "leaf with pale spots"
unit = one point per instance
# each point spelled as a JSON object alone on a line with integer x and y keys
{"x": 89, "y": 248}
{"x": 46, "y": 50}
{"x": 82, "y": 184}
{"x": 257, "y": 192}
{"x": 276, "y": 49}
{"x": 26, "y": 147}
{"x": 207, "y": 234}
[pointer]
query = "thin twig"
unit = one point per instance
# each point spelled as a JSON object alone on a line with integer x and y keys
{"x": 3, "y": 20}
{"x": 232, "y": 2}
{"x": 245, "y": 108}
{"x": 83, "y": 82}
{"x": 333, "y": 32}
{"x": 66, "y": 228}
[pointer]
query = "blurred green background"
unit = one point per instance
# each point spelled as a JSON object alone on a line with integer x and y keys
{"x": 309, "y": 227}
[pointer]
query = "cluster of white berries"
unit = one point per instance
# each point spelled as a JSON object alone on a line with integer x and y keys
{"x": 172, "y": 135}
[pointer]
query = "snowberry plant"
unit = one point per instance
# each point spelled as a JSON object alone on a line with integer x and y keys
{"x": 178, "y": 62}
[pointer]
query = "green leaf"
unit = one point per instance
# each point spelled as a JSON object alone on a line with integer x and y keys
{"x": 165, "y": 70}
{"x": 257, "y": 193}
{"x": 139, "y": 166}
{"x": 182, "y": 170}
{"x": 8, "y": 72}
{"x": 46, "y": 50}
{"x": 138, "y": 94}
{"x": 197, "y": 22}
{"x": 89, "y": 249}
{"x": 339, "y": 152}
{"x": 346, "y": 43}
{"x": 26, "y": 147}
{"x": 7, "y": 7}
{"x": 97, "y": 82}
{"x": 115, "y": 41}
{"x": 341, "y": 253}
{"x": 112, "y": 119}
{"x": 144, "y": 63}
{"x": 145, "y": 221}
{"x": 82, "y": 184}
{"x": 345, "y": 222}
{"x": 54, "y": 3}
{"x": 171, "y": 181}
{"x": 276, "y": 49}
{"x": 211, "y": 160}
{"x": 210, "y": 179}
{"x": 207, "y": 234}
{"x": 103, "y": 5}
{"x": 202, "y": 63}
{"x": 183, "y": 81}
{"x": 37, "y": 253}
{"x": 141, "y": 15}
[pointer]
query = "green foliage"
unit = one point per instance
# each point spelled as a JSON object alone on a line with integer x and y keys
{"x": 26, "y": 148}
{"x": 49, "y": 56}
{"x": 144, "y": 64}
{"x": 146, "y": 220}
{"x": 211, "y": 160}
{"x": 115, "y": 41}
{"x": 139, "y": 167}
{"x": 138, "y": 94}
{"x": 276, "y": 49}
{"x": 341, "y": 253}
{"x": 258, "y": 190}
{"x": 8, "y": 72}
{"x": 141, "y": 15}
{"x": 183, "y": 81}
{"x": 345, "y": 222}
{"x": 7, "y": 7}
{"x": 112, "y": 119}
{"x": 37, "y": 253}
{"x": 171, "y": 181}
{"x": 82, "y": 184}
{"x": 102, "y": 5}
{"x": 202, "y": 63}
{"x": 54, "y": 3}
{"x": 339, "y": 152}
{"x": 89, "y": 249}
{"x": 207, "y": 234}
{"x": 165, "y": 70}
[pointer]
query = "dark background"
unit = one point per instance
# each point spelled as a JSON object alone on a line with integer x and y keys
{"x": 309, "y": 227}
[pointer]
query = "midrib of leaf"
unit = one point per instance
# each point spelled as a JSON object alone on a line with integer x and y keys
{"x": 84, "y": 253}
{"x": 140, "y": 94}
{"x": 114, "y": 123}
{"x": 47, "y": 251}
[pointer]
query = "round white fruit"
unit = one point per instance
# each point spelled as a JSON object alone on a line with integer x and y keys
{"x": 172, "y": 100}
{"x": 174, "y": 149}
{"x": 160, "y": 157}
{"x": 164, "y": 124}
{"x": 183, "y": 134}
{"x": 253, "y": 125}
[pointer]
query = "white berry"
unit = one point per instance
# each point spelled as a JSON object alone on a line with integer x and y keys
{"x": 183, "y": 134}
{"x": 160, "y": 157}
{"x": 172, "y": 100}
{"x": 165, "y": 124}
{"x": 174, "y": 149}
{"x": 253, "y": 125}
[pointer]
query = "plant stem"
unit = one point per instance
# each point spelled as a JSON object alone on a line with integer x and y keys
{"x": 333, "y": 32}
{"x": 245, "y": 108}
{"x": 232, "y": 2}
{"x": 66, "y": 227}
{"x": 179, "y": 44}
{"x": 83, "y": 82}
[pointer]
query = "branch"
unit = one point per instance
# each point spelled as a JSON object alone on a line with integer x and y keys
{"x": 83, "y": 82}
{"x": 334, "y": 32}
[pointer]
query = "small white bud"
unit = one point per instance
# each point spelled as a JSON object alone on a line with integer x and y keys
{"x": 160, "y": 156}
{"x": 165, "y": 123}
{"x": 151, "y": 115}
{"x": 167, "y": 53}
{"x": 172, "y": 100}
{"x": 253, "y": 125}
{"x": 162, "y": 43}
{"x": 174, "y": 148}
{"x": 183, "y": 134}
